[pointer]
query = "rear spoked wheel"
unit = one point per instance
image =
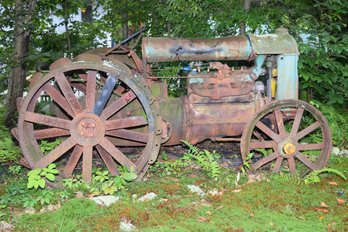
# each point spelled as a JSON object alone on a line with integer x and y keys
{"x": 99, "y": 109}
{"x": 287, "y": 135}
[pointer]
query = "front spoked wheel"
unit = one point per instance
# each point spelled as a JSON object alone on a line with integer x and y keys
{"x": 287, "y": 135}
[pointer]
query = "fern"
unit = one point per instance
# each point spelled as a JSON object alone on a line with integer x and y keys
{"x": 287, "y": 178}
{"x": 206, "y": 160}
{"x": 313, "y": 177}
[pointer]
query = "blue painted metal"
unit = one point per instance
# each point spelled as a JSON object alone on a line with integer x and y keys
{"x": 257, "y": 70}
{"x": 105, "y": 94}
{"x": 287, "y": 80}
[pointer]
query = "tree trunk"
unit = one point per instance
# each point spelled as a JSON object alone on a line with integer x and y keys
{"x": 24, "y": 11}
{"x": 124, "y": 14}
{"x": 66, "y": 24}
{"x": 246, "y": 8}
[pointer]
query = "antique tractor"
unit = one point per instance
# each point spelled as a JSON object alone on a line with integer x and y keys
{"x": 109, "y": 103}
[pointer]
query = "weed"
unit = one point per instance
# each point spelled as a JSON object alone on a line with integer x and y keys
{"x": 47, "y": 146}
{"x": 36, "y": 177}
{"x": 313, "y": 177}
{"x": 15, "y": 169}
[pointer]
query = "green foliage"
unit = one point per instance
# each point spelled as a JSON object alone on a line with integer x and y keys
{"x": 286, "y": 178}
{"x": 246, "y": 163}
{"x": 338, "y": 121}
{"x": 15, "y": 169}
{"x": 103, "y": 182}
{"x": 206, "y": 160}
{"x": 37, "y": 177}
{"x": 47, "y": 146}
{"x": 9, "y": 152}
{"x": 313, "y": 177}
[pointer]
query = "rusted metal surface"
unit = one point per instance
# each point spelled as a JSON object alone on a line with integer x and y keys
{"x": 166, "y": 49}
{"x": 107, "y": 99}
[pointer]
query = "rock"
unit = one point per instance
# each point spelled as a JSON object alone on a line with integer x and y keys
{"x": 255, "y": 177}
{"x": 147, "y": 197}
{"x": 196, "y": 189}
{"x": 335, "y": 151}
{"x": 105, "y": 200}
{"x": 50, "y": 208}
{"x": 215, "y": 192}
{"x": 127, "y": 226}
{"x": 6, "y": 227}
{"x": 79, "y": 194}
{"x": 29, "y": 210}
{"x": 344, "y": 153}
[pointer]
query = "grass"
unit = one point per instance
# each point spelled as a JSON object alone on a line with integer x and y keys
{"x": 278, "y": 204}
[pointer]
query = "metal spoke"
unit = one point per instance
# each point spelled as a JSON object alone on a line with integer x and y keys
{"x": 47, "y": 120}
{"x": 65, "y": 87}
{"x": 58, "y": 98}
{"x": 125, "y": 123}
{"x": 115, "y": 153}
{"x": 262, "y": 144}
{"x": 129, "y": 135}
{"x": 268, "y": 131}
{"x": 308, "y": 130}
{"x": 105, "y": 94}
{"x": 292, "y": 165}
{"x": 87, "y": 163}
{"x": 280, "y": 122}
{"x": 79, "y": 86}
{"x": 278, "y": 164}
{"x": 306, "y": 161}
{"x": 297, "y": 122}
{"x": 265, "y": 160}
{"x": 108, "y": 160}
{"x": 50, "y": 133}
{"x": 56, "y": 153}
{"x": 73, "y": 160}
{"x": 314, "y": 146}
{"x": 91, "y": 90}
{"x": 115, "y": 106}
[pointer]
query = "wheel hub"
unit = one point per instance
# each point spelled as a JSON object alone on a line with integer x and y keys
{"x": 88, "y": 129}
{"x": 289, "y": 149}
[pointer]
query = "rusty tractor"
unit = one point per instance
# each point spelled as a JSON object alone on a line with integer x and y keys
{"x": 110, "y": 103}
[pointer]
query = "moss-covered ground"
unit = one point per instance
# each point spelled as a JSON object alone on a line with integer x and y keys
{"x": 277, "y": 203}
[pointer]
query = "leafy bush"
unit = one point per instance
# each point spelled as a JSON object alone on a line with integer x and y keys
{"x": 8, "y": 150}
{"x": 338, "y": 121}
{"x": 37, "y": 177}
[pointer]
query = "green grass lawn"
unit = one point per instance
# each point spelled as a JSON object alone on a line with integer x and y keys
{"x": 278, "y": 203}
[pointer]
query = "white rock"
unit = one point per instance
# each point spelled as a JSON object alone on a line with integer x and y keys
{"x": 126, "y": 226}
{"x": 105, "y": 200}
{"x": 215, "y": 192}
{"x": 196, "y": 189}
{"x": 147, "y": 197}
{"x": 6, "y": 227}
{"x": 335, "y": 151}
{"x": 344, "y": 152}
